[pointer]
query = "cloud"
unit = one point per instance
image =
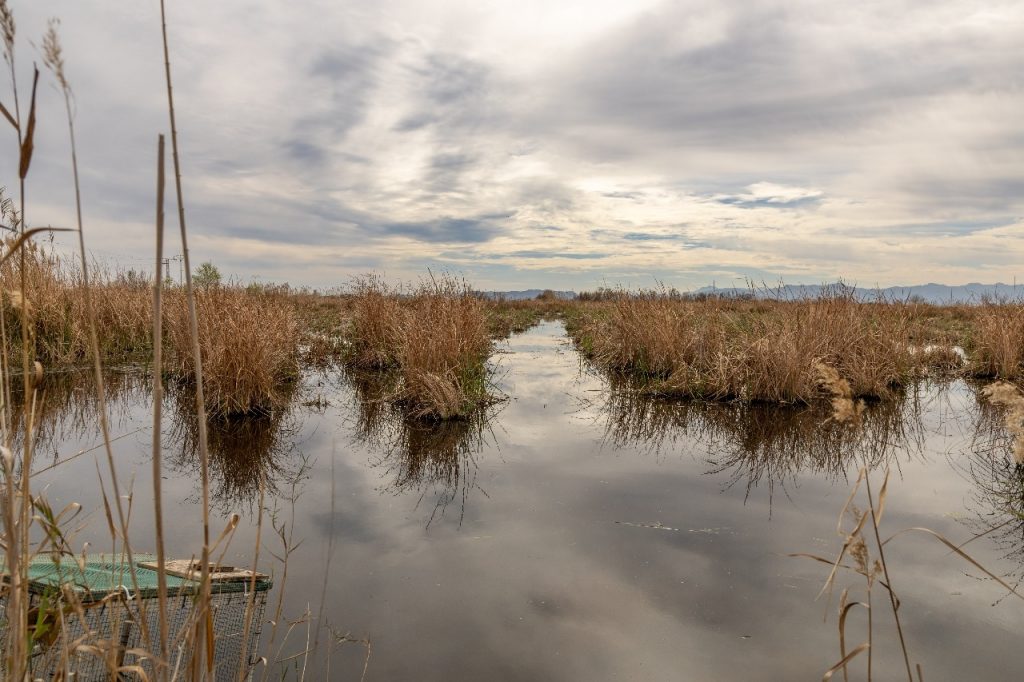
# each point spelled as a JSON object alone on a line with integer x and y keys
{"x": 447, "y": 230}
{"x": 771, "y": 194}
{"x": 559, "y": 254}
{"x": 799, "y": 140}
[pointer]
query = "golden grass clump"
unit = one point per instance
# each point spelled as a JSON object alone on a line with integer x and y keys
{"x": 658, "y": 338}
{"x": 435, "y": 339}
{"x": 443, "y": 354}
{"x": 249, "y": 348}
{"x": 57, "y": 314}
{"x": 752, "y": 351}
{"x": 376, "y": 326}
{"x": 1009, "y": 397}
{"x": 996, "y": 345}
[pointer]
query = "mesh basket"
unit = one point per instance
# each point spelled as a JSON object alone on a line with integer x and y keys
{"x": 115, "y": 625}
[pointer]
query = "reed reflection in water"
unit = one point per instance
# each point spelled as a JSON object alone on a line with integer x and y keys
{"x": 65, "y": 410}
{"x": 435, "y": 458}
{"x": 762, "y": 444}
{"x": 997, "y": 505}
{"x": 244, "y": 451}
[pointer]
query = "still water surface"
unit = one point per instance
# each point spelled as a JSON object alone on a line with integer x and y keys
{"x": 579, "y": 532}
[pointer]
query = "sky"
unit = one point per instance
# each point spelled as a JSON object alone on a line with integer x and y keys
{"x": 535, "y": 144}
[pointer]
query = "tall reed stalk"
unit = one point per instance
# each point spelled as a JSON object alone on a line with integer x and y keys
{"x": 158, "y": 398}
{"x": 204, "y": 454}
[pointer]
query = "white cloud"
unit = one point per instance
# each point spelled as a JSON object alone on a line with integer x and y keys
{"x": 802, "y": 140}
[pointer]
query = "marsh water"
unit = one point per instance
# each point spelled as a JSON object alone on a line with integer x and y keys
{"x": 578, "y": 531}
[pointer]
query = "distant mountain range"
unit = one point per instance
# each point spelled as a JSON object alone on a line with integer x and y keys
{"x": 931, "y": 293}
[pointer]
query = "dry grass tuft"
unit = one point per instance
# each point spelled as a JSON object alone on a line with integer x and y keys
{"x": 376, "y": 327}
{"x": 249, "y": 346}
{"x": 249, "y": 338}
{"x": 436, "y": 339}
{"x": 444, "y": 349}
{"x": 58, "y": 315}
{"x": 752, "y": 351}
{"x": 996, "y": 344}
{"x": 1009, "y": 397}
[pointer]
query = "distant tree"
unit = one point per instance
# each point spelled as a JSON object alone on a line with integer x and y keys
{"x": 547, "y": 295}
{"x": 206, "y": 275}
{"x": 133, "y": 279}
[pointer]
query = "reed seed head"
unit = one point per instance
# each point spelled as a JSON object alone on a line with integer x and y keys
{"x": 53, "y": 55}
{"x": 7, "y": 30}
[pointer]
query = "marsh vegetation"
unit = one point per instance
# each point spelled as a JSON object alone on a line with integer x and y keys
{"x": 229, "y": 422}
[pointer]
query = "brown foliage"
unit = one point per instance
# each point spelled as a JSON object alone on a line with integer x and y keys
{"x": 436, "y": 338}
{"x": 751, "y": 350}
{"x": 248, "y": 344}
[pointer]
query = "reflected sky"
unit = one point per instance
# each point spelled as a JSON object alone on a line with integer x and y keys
{"x": 577, "y": 532}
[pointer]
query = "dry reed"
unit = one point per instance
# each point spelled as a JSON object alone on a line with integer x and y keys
{"x": 249, "y": 349}
{"x": 249, "y": 339}
{"x": 436, "y": 340}
{"x": 996, "y": 344}
{"x": 58, "y": 313}
{"x": 750, "y": 351}
{"x": 375, "y": 334}
{"x": 858, "y": 544}
{"x": 1009, "y": 397}
{"x": 57, "y": 306}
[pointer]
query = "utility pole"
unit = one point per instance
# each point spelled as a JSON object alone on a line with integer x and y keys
{"x": 181, "y": 272}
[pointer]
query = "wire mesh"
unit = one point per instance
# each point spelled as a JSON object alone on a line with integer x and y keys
{"x": 112, "y": 627}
